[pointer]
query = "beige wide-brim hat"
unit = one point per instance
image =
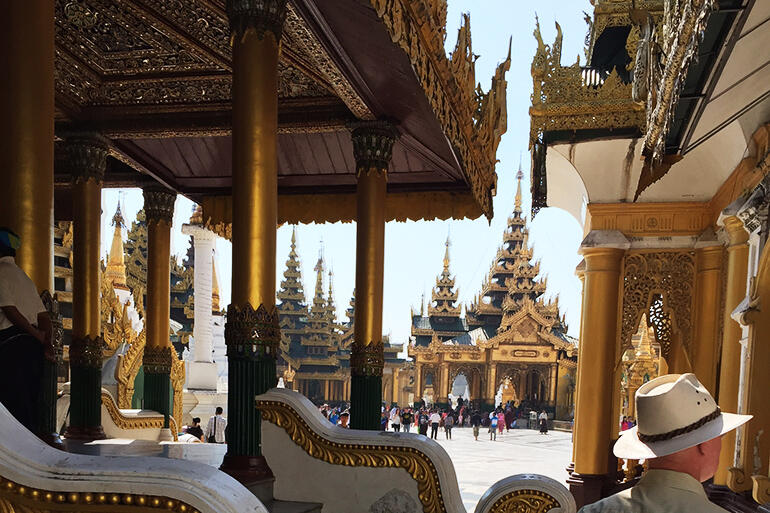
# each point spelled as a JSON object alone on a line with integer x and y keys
{"x": 674, "y": 412}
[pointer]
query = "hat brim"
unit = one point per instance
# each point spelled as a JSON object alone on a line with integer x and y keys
{"x": 630, "y": 447}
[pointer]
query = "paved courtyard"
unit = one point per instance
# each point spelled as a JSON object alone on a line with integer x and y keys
{"x": 480, "y": 464}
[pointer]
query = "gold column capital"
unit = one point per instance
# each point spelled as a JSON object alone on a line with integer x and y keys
{"x": 87, "y": 157}
{"x": 709, "y": 258}
{"x": 735, "y": 230}
{"x": 262, "y": 16}
{"x": 86, "y": 352}
{"x": 367, "y": 360}
{"x": 373, "y": 145}
{"x": 602, "y": 259}
{"x": 158, "y": 204}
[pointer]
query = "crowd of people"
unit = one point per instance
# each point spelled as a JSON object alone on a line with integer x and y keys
{"x": 434, "y": 419}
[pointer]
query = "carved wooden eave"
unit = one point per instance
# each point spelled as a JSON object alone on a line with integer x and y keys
{"x": 155, "y": 78}
{"x": 683, "y": 27}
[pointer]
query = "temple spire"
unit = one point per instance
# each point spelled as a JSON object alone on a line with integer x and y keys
{"x": 519, "y": 177}
{"x": 446, "y": 255}
{"x": 116, "y": 267}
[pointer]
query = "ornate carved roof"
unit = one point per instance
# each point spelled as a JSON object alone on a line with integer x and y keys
{"x": 155, "y": 78}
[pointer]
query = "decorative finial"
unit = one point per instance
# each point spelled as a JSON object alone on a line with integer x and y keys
{"x": 293, "y": 237}
{"x": 117, "y": 219}
{"x": 519, "y": 177}
{"x": 446, "y": 254}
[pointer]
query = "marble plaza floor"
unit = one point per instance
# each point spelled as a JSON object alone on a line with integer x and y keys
{"x": 478, "y": 464}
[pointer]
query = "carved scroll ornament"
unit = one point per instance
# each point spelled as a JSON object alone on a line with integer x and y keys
{"x": 415, "y": 462}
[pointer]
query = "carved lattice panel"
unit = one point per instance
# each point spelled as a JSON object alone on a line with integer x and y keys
{"x": 668, "y": 274}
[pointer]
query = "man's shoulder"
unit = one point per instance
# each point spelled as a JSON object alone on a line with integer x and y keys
{"x": 618, "y": 503}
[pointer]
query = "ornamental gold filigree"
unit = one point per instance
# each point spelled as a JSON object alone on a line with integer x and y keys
{"x": 86, "y": 352}
{"x": 159, "y": 205}
{"x": 261, "y": 15}
{"x": 472, "y": 120}
{"x": 525, "y": 501}
{"x": 127, "y": 369}
{"x": 414, "y": 461}
{"x": 51, "y": 304}
{"x": 368, "y": 360}
{"x": 158, "y": 360}
{"x": 87, "y": 157}
{"x": 669, "y": 274}
{"x": 373, "y": 145}
{"x": 20, "y": 498}
{"x": 252, "y": 333}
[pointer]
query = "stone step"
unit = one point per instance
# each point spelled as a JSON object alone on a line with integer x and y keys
{"x": 294, "y": 507}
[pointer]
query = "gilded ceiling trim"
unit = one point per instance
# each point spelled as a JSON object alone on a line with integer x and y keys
{"x": 18, "y": 498}
{"x": 414, "y": 461}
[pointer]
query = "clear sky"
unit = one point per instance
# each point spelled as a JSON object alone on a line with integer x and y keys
{"x": 414, "y": 250}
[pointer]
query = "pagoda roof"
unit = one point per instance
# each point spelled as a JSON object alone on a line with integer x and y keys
{"x": 156, "y": 81}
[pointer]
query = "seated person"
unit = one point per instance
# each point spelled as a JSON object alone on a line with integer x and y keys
{"x": 679, "y": 434}
{"x": 195, "y": 429}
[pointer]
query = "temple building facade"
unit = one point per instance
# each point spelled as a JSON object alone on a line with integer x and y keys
{"x": 511, "y": 342}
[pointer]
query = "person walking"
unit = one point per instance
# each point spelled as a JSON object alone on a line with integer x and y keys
{"x": 493, "y": 428}
{"x": 395, "y": 420}
{"x": 448, "y": 423}
{"x": 543, "y": 418}
{"x": 500, "y": 422}
{"x": 215, "y": 429}
{"x": 475, "y": 424}
{"x": 435, "y": 420}
{"x": 406, "y": 420}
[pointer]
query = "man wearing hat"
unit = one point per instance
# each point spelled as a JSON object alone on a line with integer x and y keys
{"x": 25, "y": 335}
{"x": 679, "y": 433}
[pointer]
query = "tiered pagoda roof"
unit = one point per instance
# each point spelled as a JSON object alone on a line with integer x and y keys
{"x": 511, "y": 288}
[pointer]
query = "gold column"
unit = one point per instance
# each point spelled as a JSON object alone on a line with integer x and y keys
{"x": 372, "y": 148}
{"x": 252, "y": 334}
{"x": 417, "y": 383}
{"x": 327, "y": 390}
{"x": 446, "y": 386}
{"x": 581, "y": 274}
{"x": 87, "y": 158}
{"x": 729, "y": 371}
{"x": 27, "y": 134}
{"x": 158, "y": 352}
{"x": 707, "y": 315}
{"x": 491, "y": 386}
{"x": 552, "y": 384}
{"x": 395, "y": 386}
{"x": 594, "y": 394}
{"x": 159, "y": 213}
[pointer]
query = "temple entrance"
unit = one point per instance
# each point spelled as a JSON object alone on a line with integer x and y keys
{"x": 506, "y": 393}
{"x": 460, "y": 393}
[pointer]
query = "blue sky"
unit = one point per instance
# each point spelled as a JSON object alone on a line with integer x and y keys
{"x": 414, "y": 250}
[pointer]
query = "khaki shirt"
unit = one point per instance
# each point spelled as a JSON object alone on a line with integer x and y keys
{"x": 659, "y": 491}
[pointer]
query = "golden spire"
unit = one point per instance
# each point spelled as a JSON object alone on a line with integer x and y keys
{"x": 214, "y": 288}
{"x": 446, "y": 255}
{"x": 519, "y": 176}
{"x": 116, "y": 267}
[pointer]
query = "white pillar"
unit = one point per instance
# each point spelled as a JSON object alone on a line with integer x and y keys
{"x": 202, "y": 371}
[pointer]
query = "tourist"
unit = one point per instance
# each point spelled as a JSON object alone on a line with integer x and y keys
{"x": 543, "y": 419}
{"x": 384, "y": 420}
{"x": 395, "y": 419}
{"x": 679, "y": 435}
{"x": 195, "y": 430}
{"x": 435, "y": 420}
{"x": 25, "y": 335}
{"x": 475, "y": 423}
{"x": 344, "y": 418}
{"x": 493, "y": 427}
{"x": 500, "y": 422}
{"x": 423, "y": 420}
{"x": 406, "y": 419}
{"x": 215, "y": 429}
{"x": 334, "y": 416}
{"x": 448, "y": 423}
{"x": 510, "y": 417}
